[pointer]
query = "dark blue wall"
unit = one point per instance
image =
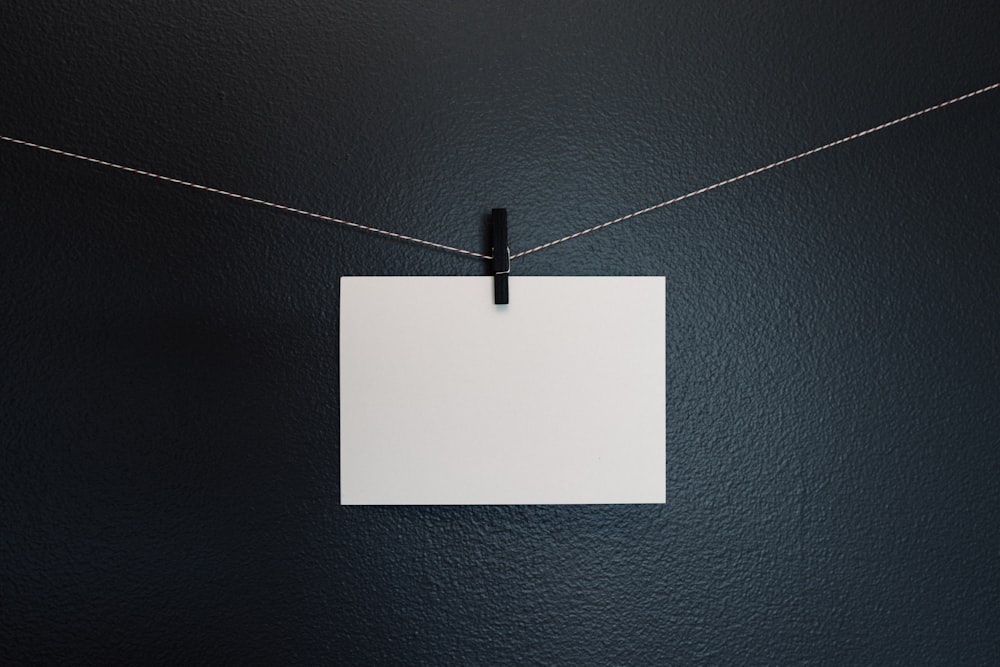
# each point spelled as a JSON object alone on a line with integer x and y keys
{"x": 168, "y": 359}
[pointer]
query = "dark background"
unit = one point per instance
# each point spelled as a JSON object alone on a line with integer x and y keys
{"x": 168, "y": 358}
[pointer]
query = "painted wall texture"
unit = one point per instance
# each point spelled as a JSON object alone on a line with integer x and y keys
{"x": 168, "y": 359}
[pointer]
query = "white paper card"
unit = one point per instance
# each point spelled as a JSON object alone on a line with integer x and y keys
{"x": 446, "y": 398}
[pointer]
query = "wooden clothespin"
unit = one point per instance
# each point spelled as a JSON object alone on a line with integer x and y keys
{"x": 501, "y": 256}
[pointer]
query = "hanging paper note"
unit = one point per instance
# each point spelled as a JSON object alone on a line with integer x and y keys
{"x": 449, "y": 399}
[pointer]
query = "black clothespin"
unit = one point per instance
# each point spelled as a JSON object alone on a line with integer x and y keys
{"x": 501, "y": 256}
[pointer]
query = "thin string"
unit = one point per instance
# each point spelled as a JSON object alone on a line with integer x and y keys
{"x": 754, "y": 172}
{"x": 470, "y": 253}
{"x": 252, "y": 200}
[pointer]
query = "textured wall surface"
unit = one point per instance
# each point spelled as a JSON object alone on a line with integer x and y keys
{"x": 168, "y": 358}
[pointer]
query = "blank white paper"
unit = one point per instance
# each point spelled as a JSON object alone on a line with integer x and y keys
{"x": 448, "y": 399}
